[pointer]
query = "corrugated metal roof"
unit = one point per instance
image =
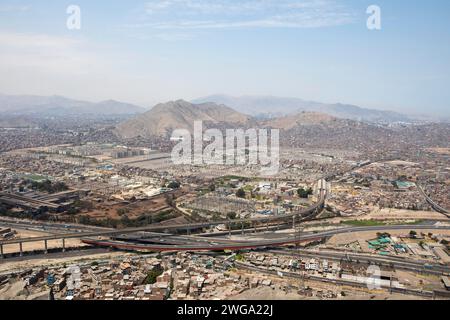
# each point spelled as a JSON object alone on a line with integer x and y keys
{"x": 446, "y": 281}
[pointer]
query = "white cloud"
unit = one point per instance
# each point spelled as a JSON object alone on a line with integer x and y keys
{"x": 42, "y": 64}
{"x": 280, "y": 21}
{"x": 14, "y": 8}
{"x": 40, "y": 51}
{"x": 225, "y": 14}
{"x": 155, "y": 6}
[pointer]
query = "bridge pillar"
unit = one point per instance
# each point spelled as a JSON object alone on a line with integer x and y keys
{"x": 1, "y": 251}
{"x": 242, "y": 228}
{"x": 45, "y": 246}
{"x": 20, "y": 249}
{"x": 293, "y": 222}
{"x": 229, "y": 229}
{"x": 63, "y": 245}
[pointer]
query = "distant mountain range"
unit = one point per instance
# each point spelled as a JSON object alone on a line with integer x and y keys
{"x": 327, "y": 126}
{"x": 162, "y": 119}
{"x": 60, "y": 106}
{"x": 259, "y": 107}
{"x": 221, "y": 111}
{"x": 301, "y": 130}
{"x": 271, "y": 107}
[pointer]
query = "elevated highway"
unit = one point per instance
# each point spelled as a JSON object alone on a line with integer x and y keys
{"x": 433, "y": 204}
{"x": 214, "y": 245}
{"x": 162, "y": 240}
{"x": 301, "y": 215}
{"x": 25, "y": 202}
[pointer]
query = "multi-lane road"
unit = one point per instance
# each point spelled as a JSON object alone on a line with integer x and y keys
{"x": 132, "y": 238}
{"x": 301, "y": 215}
{"x": 386, "y": 261}
{"x": 199, "y": 244}
{"x": 341, "y": 282}
{"x": 433, "y": 204}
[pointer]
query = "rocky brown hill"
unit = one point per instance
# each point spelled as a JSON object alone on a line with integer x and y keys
{"x": 162, "y": 119}
{"x": 270, "y": 107}
{"x": 300, "y": 119}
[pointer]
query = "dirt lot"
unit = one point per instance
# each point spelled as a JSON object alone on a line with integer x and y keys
{"x": 392, "y": 214}
{"x": 133, "y": 211}
{"x": 38, "y": 245}
{"x": 445, "y": 151}
{"x": 427, "y": 282}
{"x": 275, "y": 292}
{"x": 28, "y": 264}
{"x": 368, "y": 235}
{"x": 363, "y": 237}
{"x": 267, "y": 293}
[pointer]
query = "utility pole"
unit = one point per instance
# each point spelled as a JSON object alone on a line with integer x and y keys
{"x": 390, "y": 285}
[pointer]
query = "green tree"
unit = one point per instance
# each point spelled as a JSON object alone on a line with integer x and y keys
{"x": 72, "y": 211}
{"x": 49, "y": 187}
{"x": 152, "y": 275}
{"x": 122, "y": 211}
{"x": 231, "y": 215}
{"x": 240, "y": 257}
{"x": 85, "y": 220}
{"x": 83, "y": 205}
{"x": 240, "y": 193}
{"x": 302, "y": 193}
{"x": 126, "y": 221}
{"x": 174, "y": 185}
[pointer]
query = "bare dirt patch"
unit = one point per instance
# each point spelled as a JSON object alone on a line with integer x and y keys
{"x": 400, "y": 214}
{"x": 31, "y": 246}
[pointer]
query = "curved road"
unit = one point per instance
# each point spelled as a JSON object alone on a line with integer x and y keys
{"x": 239, "y": 245}
{"x": 304, "y": 214}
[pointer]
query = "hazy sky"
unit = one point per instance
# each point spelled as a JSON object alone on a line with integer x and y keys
{"x": 150, "y": 51}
